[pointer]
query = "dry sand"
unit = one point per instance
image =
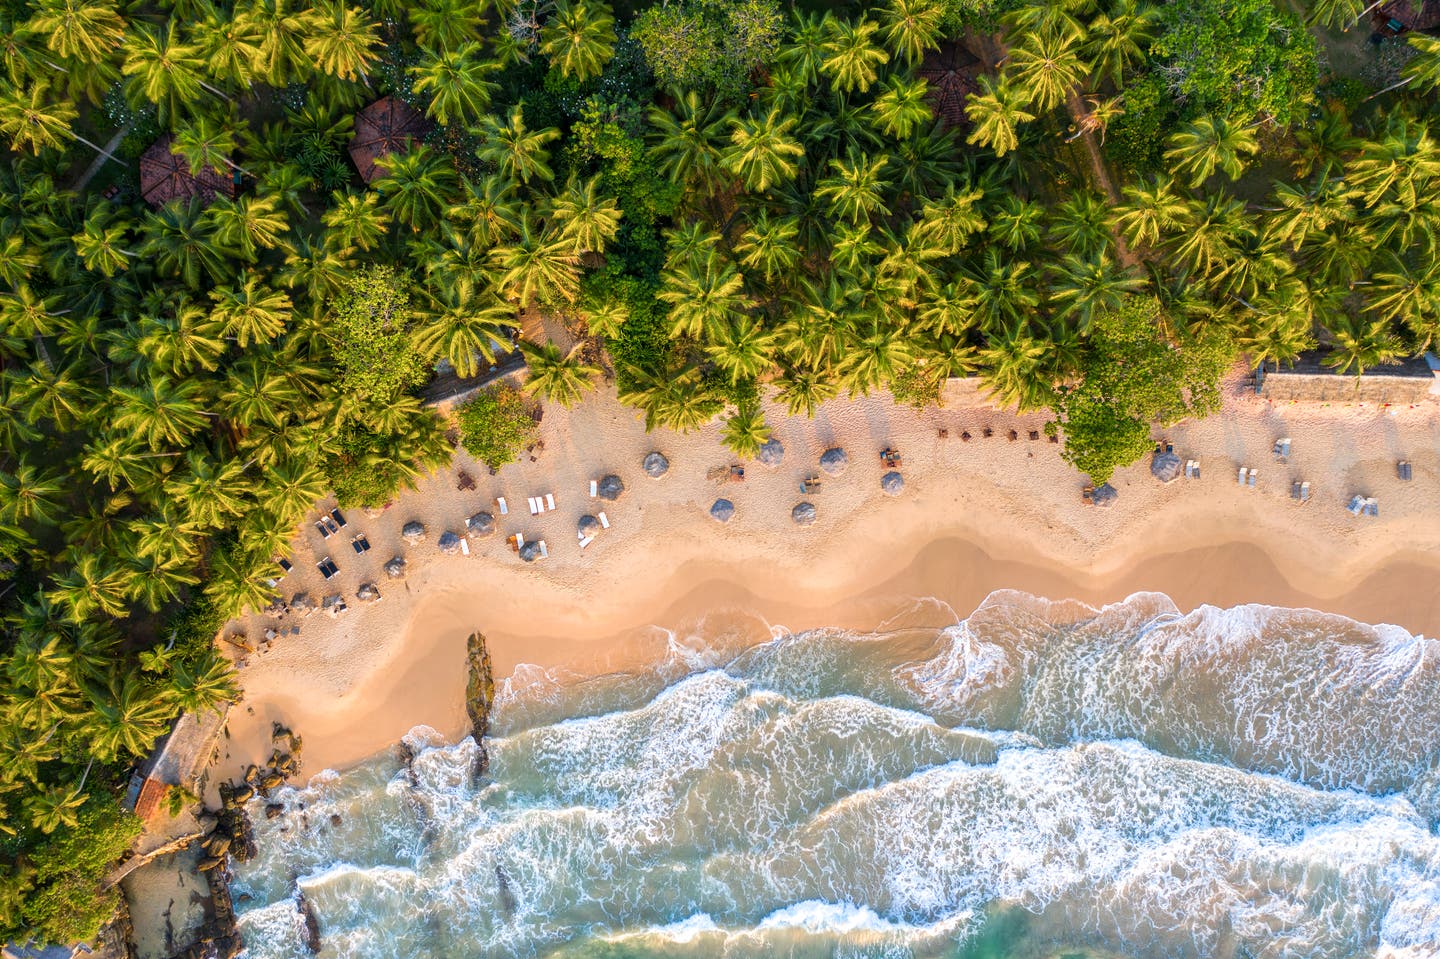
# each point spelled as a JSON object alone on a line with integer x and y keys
{"x": 974, "y": 517}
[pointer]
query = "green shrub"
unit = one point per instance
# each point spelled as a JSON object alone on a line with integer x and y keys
{"x": 496, "y": 425}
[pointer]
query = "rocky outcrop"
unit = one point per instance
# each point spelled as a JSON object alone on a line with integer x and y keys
{"x": 479, "y": 691}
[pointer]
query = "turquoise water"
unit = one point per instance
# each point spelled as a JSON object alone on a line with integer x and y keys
{"x": 1033, "y": 781}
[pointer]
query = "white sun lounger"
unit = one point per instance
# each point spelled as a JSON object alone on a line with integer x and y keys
{"x": 1357, "y": 503}
{"x": 604, "y": 520}
{"x": 549, "y": 500}
{"x": 594, "y": 489}
{"x": 1305, "y": 492}
{"x": 519, "y": 540}
{"x": 534, "y": 504}
{"x": 1240, "y": 476}
{"x": 504, "y": 507}
{"x": 465, "y": 547}
{"x": 586, "y": 541}
{"x": 543, "y": 551}
{"x": 1250, "y": 481}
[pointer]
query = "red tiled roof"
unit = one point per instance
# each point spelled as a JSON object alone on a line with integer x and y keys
{"x": 165, "y": 177}
{"x": 384, "y": 127}
{"x": 1415, "y": 16}
{"x": 151, "y": 792}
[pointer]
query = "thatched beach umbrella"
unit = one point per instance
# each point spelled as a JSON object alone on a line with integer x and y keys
{"x": 367, "y": 593}
{"x": 803, "y": 514}
{"x": 1105, "y": 495}
{"x": 656, "y": 465}
{"x": 530, "y": 552}
{"x": 395, "y": 569}
{"x": 449, "y": 542}
{"x": 481, "y": 524}
{"x": 721, "y": 510}
{"x": 164, "y": 176}
{"x": 413, "y": 531}
{"x": 387, "y": 126}
{"x": 892, "y": 483}
{"x": 588, "y": 526}
{"x": 610, "y": 488}
{"x": 302, "y": 604}
{"x": 772, "y": 453}
{"x": 1165, "y": 466}
{"x": 834, "y": 461}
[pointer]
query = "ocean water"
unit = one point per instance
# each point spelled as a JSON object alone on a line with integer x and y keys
{"x": 1039, "y": 780}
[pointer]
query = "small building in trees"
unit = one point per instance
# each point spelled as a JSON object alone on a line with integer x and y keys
{"x": 950, "y": 74}
{"x": 165, "y": 176}
{"x": 1402, "y": 16}
{"x": 389, "y": 125}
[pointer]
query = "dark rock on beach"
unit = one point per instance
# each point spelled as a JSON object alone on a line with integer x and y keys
{"x": 479, "y": 690}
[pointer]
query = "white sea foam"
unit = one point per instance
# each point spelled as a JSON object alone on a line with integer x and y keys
{"x": 820, "y": 796}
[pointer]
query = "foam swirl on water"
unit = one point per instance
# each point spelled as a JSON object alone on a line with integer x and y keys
{"x": 1040, "y": 777}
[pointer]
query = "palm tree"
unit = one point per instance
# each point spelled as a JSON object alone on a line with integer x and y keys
{"x": 126, "y": 716}
{"x": 538, "y": 264}
{"x": 1117, "y": 38}
{"x": 1014, "y": 370}
{"x": 770, "y": 245}
{"x": 203, "y": 684}
{"x": 1410, "y": 294}
{"x": 948, "y": 221}
{"x": 806, "y": 49}
{"x": 444, "y": 24}
{"x": 585, "y": 217}
{"x": 281, "y": 56}
{"x": 1080, "y": 224}
{"x": 559, "y": 377}
{"x": 913, "y": 26}
{"x": 256, "y": 393}
{"x": 853, "y": 249}
{"x": 182, "y": 243}
{"x": 851, "y": 57}
{"x": 489, "y": 210}
{"x": 1337, "y": 13}
{"x": 1360, "y": 343}
{"x": 230, "y": 46}
{"x": 743, "y": 349}
{"x": 455, "y": 81}
{"x": 876, "y": 356}
{"x": 417, "y": 186}
{"x": 291, "y": 488}
{"x": 514, "y": 150}
{"x": 996, "y": 111}
{"x": 763, "y": 152}
{"x": 745, "y": 431}
{"x": 355, "y": 220}
{"x": 1149, "y": 212}
{"x": 579, "y": 38}
{"x": 88, "y": 587}
{"x": 1209, "y": 143}
{"x": 159, "y": 410}
{"x": 86, "y": 30}
{"x": 676, "y": 400}
{"x": 249, "y": 224}
{"x": 902, "y": 107}
{"x": 1086, "y": 285}
{"x": 802, "y": 389}
{"x": 703, "y": 300}
{"x": 30, "y": 494}
{"x": 1003, "y": 297}
{"x": 856, "y": 189}
{"x": 340, "y": 40}
{"x": 236, "y": 587}
{"x": 163, "y": 70}
{"x": 465, "y": 332}
{"x": 206, "y": 142}
{"x": 687, "y": 141}
{"x": 59, "y": 395}
{"x": 1047, "y": 66}
{"x": 32, "y": 122}
{"x": 55, "y": 807}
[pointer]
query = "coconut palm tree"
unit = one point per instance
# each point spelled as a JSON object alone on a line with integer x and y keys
{"x": 456, "y": 82}
{"x": 159, "y": 410}
{"x": 163, "y": 70}
{"x": 996, "y": 111}
{"x": 1047, "y": 66}
{"x": 249, "y": 224}
{"x": 949, "y": 220}
{"x": 489, "y": 210}
{"x": 579, "y": 38}
{"x": 1408, "y": 293}
{"x": 851, "y": 57}
{"x": 201, "y": 684}
{"x": 282, "y": 29}
{"x": 688, "y": 141}
{"x": 559, "y": 377}
{"x": 126, "y": 716}
{"x": 745, "y": 431}
{"x": 802, "y": 389}
{"x": 855, "y": 190}
{"x": 676, "y": 400}
{"x": 230, "y": 47}
{"x": 704, "y": 300}
{"x": 341, "y": 40}
{"x": 180, "y": 242}
{"x": 901, "y": 107}
{"x": 292, "y": 487}
{"x": 1361, "y": 342}
{"x": 585, "y": 217}
{"x": 465, "y": 332}
{"x": 1085, "y": 285}
{"x": 1003, "y": 297}
{"x": 770, "y": 246}
{"x": 418, "y": 186}
{"x": 255, "y": 392}
{"x": 1117, "y": 38}
{"x": 441, "y": 25}
{"x": 88, "y": 31}
{"x": 30, "y": 494}
{"x": 60, "y": 395}
{"x": 804, "y": 53}
{"x": 876, "y": 355}
{"x": 1014, "y": 371}
{"x": 537, "y": 264}
{"x": 91, "y": 585}
{"x": 1150, "y": 211}
{"x": 355, "y": 220}
{"x": 912, "y": 27}
{"x": 1080, "y": 224}
{"x": 762, "y": 151}
{"x": 1211, "y": 143}
{"x": 516, "y": 152}
{"x": 205, "y": 142}
{"x": 743, "y": 349}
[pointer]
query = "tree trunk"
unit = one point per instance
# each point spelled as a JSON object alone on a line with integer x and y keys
{"x": 1099, "y": 171}
{"x": 135, "y": 862}
{"x": 96, "y": 163}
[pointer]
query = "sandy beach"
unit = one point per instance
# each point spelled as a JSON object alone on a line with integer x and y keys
{"x": 974, "y": 516}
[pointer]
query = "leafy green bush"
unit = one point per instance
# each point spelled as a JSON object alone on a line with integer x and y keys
{"x": 370, "y": 336}
{"x": 709, "y": 44}
{"x": 496, "y": 425}
{"x": 65, "y": 904}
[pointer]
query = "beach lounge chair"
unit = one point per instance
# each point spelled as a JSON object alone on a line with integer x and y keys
{"x": 1034, "y": 435}
{"x": 965, "y": 436}
{"x": 530, "y": 501}
{"x": 339, "y": 519}
{"x": 1402, "y": 470}
{"x": 549, "y": 500}
{"x": 594, "y": 488}
{"x": 1250, "y": 480}
{"x": 327, "y": 567}
{"x": 890, "y": 458}
{"x": 1371, "y": 507}
{"x": 1295, "y": 490}
{"x": 586, "y": 541}
{"x": 504, "y": 507}
{"x": 604, "y": 520}
{"x": 1240, "y": 476}
{"x": 810, "y": 484}
{"x": 284, "y": 563}
{"x": 1357, "y": 503}
{"x": 1169, "y": 447}
{"x": 1304, "y": 493}
{"x": 1014, "y": 435}
{"x": 544, "y": 552}
{"x": 516, "y": 541}
{"x": 360, "y": 544}
{"x": 1282, "y": 450}
{"x": 987, "y": 432}
{"x": 465, "y": 547}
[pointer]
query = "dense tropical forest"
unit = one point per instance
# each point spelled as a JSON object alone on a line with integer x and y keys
{"x": 1093, "y": 205}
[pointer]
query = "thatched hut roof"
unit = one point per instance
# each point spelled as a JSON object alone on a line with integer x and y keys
{"x": 413, "y": 531}
{"x": 1105, "y": 495}
{"x": 1410, "y": 14}
{"x": 1165, "y": 467}
{"x": 480, "y": 524}
{"x": 892, "y": 483}
{"x": 530, "y": 552}
{"x": 588, "y": 526}
{"x": 165, "y": 177}
{"x": 610, "y": 488}
{"x": 834, "y": 461}
{"x": 395, "y": 569}
{"x": 721, "y": 510}
{"x": 655, "y": 465}
{"x": 387, "y": 126}
{"x": 949, "y": 73}
{"x": 803, "y": 514}
{"x": 772, "y": 453}
{"x": 449, "y": 542}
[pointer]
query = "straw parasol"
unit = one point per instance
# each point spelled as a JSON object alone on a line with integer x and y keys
{"x": 949, "y": 74}
{"x": 834, "y": 461}
{"x": 413, "y": 531}
{"x": 530, "y": 552}
{"x": 803, "y": 514}
{"x": 588, "y": 525}
{"x": 610, "y": 488}
{"x": 655, "y": 465}
{"x": 395, "y": 569}
{"x": 367, "y": 593}
{"x": 387, "y": 126}
{"x": 721, "y": 510}
{"x": 480, "y": 524}
{"x": 1165, "y": 466}
{"x": 1105, "y": 495}
{"x": 449, "y": 542}
{"x": 772, "y": 453}
{"x": 165, "y": 177}
{"x": 892, "y": 483}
